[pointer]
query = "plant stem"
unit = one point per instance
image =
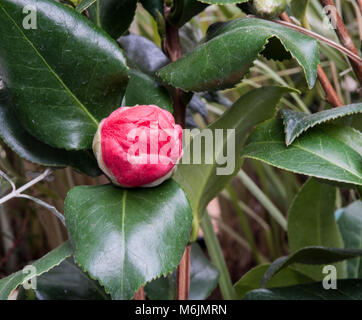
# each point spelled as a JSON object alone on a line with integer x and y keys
{"x": 263, "y": 199}
{"x": 140, "y": 294}
{"x": 183, "y": 276}
{"x": 215, "y": 252}
{"x": 16, "y": 192}
{"x": 244, "y": 223}
{"x": 51, "y": 208}
{"x": 173, "y": 49}
{"x": 344, "y": 37}
{"x": 331, "y": 95}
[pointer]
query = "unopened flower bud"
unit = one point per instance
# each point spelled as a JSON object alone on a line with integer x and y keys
{"x": 138, "y": 146}
{"x": 269, "y": 9}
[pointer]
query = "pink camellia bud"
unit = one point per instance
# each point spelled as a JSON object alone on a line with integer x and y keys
{"x": 138, "y": 146}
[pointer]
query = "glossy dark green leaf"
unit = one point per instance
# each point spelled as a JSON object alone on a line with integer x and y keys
{"x": 113, "y": 16}
{"x": 143, "y": 89}
{"x": 84, "y": 5}
{"x": 31, "y": 149}
{"x": 163, "y": 288}
{"x": 298, "y": 122}
{"x": 312, "y": 255}
{"x": 67, "y": 281}
{"x": 58, "y": 94}
{"x": 44, "y": 264}
{"x": 350, "y": 225}
{"x": 311, "y": 222}
{"x": 223, "y": 60}
{"x": 203, "y": 279}
{"x": 204, "y": 276}
{"x": 142, "y": 53}
{"x": 154, "y": 7}
{"x": 327, "y": 152}
{"x": 251, "y": 280}
{"x": 126, "y": 237}
{"x": 346, "y": 290}
{"x": 184, "y": 10}
{"x": 202, "y": 182}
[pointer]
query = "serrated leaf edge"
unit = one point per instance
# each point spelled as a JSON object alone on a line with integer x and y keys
{"x": 288, "y": 142}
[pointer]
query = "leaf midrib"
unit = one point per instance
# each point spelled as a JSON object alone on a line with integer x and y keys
{"x": 84, "y": 109}
{"x": 300, "y": 147}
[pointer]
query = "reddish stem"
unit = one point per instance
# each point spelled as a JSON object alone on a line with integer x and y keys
{"x": 284, "y": 16}
{"x": 350, "y": 54}
{"x": 183, "y": 276}
{"x": 173, "y": 49}
{"x": 140, "y": 294}
{"x": 345, "y": 38}
{"x": 331, "y": 94}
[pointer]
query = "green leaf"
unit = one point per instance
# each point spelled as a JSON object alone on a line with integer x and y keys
{"x": 163, "y": 288}
{"x": 31, "y": 149}
{"x": 202, "y": 182}
{"x": 204, "y": 275}
{"x": 203, "y": 279}
{"x": 346, "y": 290}
{"x": 311, "y": 222}
{"x": 298, "y": 122}
{"x": 84, "y": 5}
{"x": 299, "y": 9}
{"x": 44, "y": 264}
{"x": 54, "y": 87}
{"x": 126, "y": 237}
{"x": 312, "y": 255}
{"x": 154, "y": 7}
{"x": 184, "y": 10}
{"x": 113, "y": 16}
{"x": 67, "y": 281}
{"x": 327, "y": 152}
{"x": 350, "y": 225}
{"x": 223, "y": 60}
{"x": 286, "y": 277}
{"x": 143, "y": 89}
{"x": 222, "y": 2}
